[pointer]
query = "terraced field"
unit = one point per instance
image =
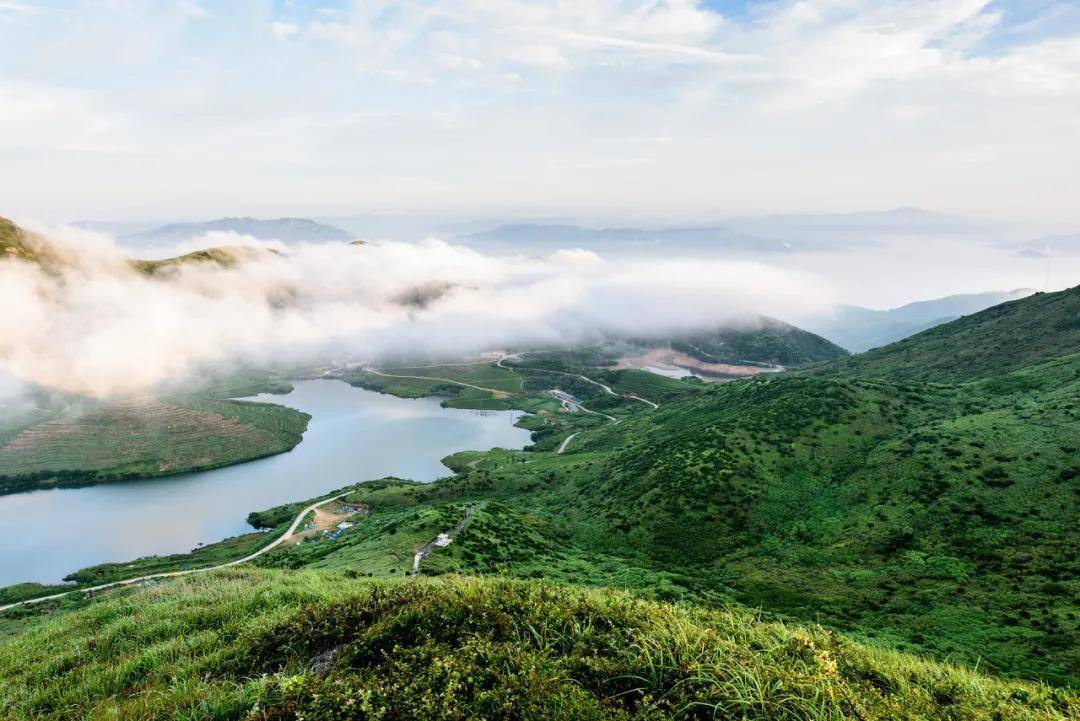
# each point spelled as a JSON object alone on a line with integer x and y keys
{"x": 144, "y": 438}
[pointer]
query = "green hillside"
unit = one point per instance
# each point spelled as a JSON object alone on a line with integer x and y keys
{"x": 763, "y": 340}
{"x": 997, "y": 340}
{"x": 931, "y": 516}
{"x": 74, "y": 441}
{"x": 912, "y": 514}
{"x": 308, "y": 645}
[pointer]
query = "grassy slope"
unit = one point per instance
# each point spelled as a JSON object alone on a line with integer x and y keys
{"x": 934, "y": 516}
{"x": 945, "y": 522}
{"x": 997, "y": 340}
{"x": 766, "y": 341}
{"x": 260, "y": 644}
{"x": 93, "y": 442}
{"x": 917, "y": 517}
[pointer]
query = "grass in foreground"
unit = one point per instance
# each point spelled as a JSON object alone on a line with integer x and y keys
{"x": 257, "y": 644}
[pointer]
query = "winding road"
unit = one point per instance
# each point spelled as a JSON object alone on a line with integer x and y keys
{"x": 607, "y": 389}
{"x": 562, "y": 395}
{"x": 172, "y": 574}
{"x": 494, "y": 391}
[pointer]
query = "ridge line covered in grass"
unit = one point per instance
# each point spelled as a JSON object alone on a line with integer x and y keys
{"x": 258, "y": 644}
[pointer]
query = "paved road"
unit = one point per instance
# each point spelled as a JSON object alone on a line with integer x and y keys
{"x": 571, "y": 403}
{"x": 607, "y": 389}
{"x": 565, "y": 443}
{"x": 426, "y": 549}
{"x": 170, "y": 574}
{"x": 643, "y": 400}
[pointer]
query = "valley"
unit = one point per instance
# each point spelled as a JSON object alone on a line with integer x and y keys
{"x": 352, "y": 434}
{"x": 836, "y": 495}
{"x": 911, "y": 509}
{"x": 535, "y": 360}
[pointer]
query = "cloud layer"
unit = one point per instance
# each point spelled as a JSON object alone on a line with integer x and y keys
{"x": 671, "y": 106}
{"x": 99, "y": 327}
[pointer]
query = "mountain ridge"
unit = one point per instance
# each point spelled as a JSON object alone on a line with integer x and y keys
{"x": 286, "y": 230}
{"x": 859, "y": 329}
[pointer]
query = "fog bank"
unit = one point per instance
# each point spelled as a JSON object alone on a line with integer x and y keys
{"x": 95, "y": 325}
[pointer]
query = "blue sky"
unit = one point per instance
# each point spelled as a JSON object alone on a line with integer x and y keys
{"x": 189, "y": 108}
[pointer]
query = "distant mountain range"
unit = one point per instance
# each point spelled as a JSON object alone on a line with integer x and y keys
{"x": 1050, "y": 246}
{"x": 898, "y": 218}
{"x": 858, "y": 329}
{"x": 763, "y": 234}
{"x": 543, "y": 237}
{"x": 286, "y": 230}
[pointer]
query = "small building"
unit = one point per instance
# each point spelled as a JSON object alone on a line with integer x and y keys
{"x": 443, "y": 540}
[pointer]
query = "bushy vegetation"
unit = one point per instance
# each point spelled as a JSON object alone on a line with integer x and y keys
{"x": 652, "y": 386}
{"x": 918, "y": 500}
{"x": 762, "y": 340}
{"x": 929, "y": 515}
{"x": 249, "y": 644}
{"x": 998, "y": 340}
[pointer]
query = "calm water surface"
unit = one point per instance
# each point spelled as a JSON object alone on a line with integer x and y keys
{"x": 353, "y": 435}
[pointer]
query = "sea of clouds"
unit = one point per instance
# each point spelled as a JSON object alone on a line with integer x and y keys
{"x": 93, "y": 325}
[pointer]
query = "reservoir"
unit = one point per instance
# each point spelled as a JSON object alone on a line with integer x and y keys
{"x": 354, "y": 435}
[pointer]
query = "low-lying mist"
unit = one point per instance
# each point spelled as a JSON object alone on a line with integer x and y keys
{"x": 94, "y": 324}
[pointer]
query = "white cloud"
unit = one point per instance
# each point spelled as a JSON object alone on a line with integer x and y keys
{"x": 76, "y": 328}
{"x": 193, "y": 10}
{"x": 283, "y": 29}
{"x": 17, "y": 8}
{"x": 811, "y": 105}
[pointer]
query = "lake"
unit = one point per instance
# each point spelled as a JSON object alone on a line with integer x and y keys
{"x": 354, "y": 435}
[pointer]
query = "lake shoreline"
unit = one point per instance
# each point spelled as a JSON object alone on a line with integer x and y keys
{"x": 354, "y": 434}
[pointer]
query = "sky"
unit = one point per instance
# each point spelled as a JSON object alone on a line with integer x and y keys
{"x": 195, "y": 108}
